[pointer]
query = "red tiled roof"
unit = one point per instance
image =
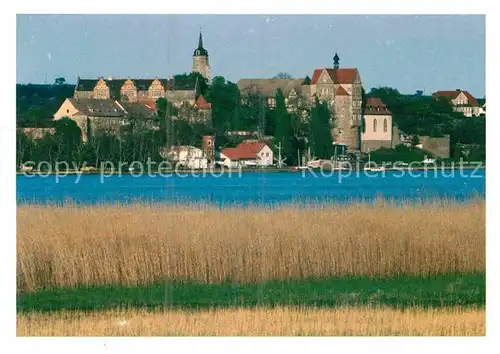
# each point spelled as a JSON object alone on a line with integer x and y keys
{"x": 149, "y": 104}
{"x": 316, "y": 76}
{"x": 339, "y": 76}
{"x": 201, "y": 103}
{"x": 341, "y": 91}
{"x": 374, "y": 105}
{"x": 453, "y": 94}
{"x": 243, "y": 151}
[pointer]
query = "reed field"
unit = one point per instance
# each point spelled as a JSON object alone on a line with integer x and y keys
{"x": 347, "y": 321}
{"x": 129, "y": 245}
{"x": 324, "y": 270}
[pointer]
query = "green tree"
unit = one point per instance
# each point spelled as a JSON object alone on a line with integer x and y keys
{"x": 283, "y": 132}
{"x": 225, "y": 99}
{"x": 320, "y": 138}
{"x": 188, "y": 81}
{"x": 68, "y": 137}
{"x": 283, "y": 75}
{"x": 400, "y": 153}
{"x": 60, "y": 81}
{"x": 24, "y": 147}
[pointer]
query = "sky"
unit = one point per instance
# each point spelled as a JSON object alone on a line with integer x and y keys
{"x": 406, "y": 52}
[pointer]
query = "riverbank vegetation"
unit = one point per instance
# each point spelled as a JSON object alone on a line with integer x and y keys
{"x": 69, "y": 246}
{"x": 151, "y": 270}
{"x": 283, "y": 321}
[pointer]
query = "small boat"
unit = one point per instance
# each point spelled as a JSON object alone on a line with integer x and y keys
{"x": 374, "y": 169}
{"x": 299, "y": 168}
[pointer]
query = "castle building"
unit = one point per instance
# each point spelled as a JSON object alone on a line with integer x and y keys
{"x": 178, "y": 91}
{"x": 137, "y": 90}
{"x": 341, "y": 88}
{"x": 200, "y": 60}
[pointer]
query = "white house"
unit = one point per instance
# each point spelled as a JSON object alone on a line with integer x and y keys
{"x": 246, "y": 154}
{"x": 188, "y": 156}
{"x": 462, "y": 101}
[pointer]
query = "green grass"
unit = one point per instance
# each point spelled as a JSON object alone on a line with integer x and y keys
{"x": 400, "y": 292}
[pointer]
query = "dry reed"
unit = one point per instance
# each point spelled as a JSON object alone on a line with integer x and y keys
{"x": 258, "y": 322}
{"x": 92, "y": 245}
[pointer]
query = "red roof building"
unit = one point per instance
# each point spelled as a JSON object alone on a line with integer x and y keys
{"x": 453, "y": 95}
{"x": 338, "y": 76}
{"x": 247, "y": 153}
{"x": 462, "y": 101}
{"x": 202, "y": 103}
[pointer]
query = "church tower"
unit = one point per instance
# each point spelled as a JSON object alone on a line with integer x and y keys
{"x": 200, "y": 60}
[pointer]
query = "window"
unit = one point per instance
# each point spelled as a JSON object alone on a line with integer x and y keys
{"x": 374, "y": 125}
{"x": 267, "y": 154}
{"x": 385, "y": 125}
{"x": 67, "y": 111}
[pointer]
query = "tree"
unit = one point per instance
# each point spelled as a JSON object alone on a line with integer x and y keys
{"x": 24, "y": 147}
{"x": 320, "y": 138}
{"x": 252, "y": 110}
{"x": 415, "y": 140}
{"x": 283, "y": 132}
{"x": 60, "y": 81}
{"x": 68, "y": 137}
{"x": 400, "y": 153}
{"x": 225, "y": 98}
{"x": 283, "y": 75}
{"x": 165, "y": 123}
{"x": 187, "y": 81}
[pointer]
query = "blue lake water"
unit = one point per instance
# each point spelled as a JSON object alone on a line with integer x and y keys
{"x": 254, "y": 187}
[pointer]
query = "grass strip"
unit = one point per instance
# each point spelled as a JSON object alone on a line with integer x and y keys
{"x": 396, "y": 292}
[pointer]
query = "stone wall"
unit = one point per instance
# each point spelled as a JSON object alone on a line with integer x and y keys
{"x": 37, "y": 133}
{"x": 440, "y": 147}
{"x": 371, "y": 145}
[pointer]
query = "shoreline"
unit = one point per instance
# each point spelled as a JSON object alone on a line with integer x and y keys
{"x": 251, "y": 170}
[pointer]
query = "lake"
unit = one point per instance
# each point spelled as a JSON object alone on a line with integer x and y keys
{"x": 254, "y": 187}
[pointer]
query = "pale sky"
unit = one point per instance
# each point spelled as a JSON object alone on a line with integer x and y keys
{"x": 406, "y": 52}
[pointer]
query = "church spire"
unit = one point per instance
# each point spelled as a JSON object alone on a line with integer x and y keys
{"x": 200, "y": 41}
{"x": 200, "y": 51}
